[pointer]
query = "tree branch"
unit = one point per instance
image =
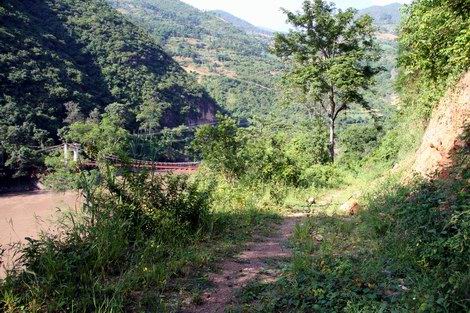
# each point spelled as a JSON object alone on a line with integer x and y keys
{"x": 341, "y": 108}
{"x": 323, "y": 106}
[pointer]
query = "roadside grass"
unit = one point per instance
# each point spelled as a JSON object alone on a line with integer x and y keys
{"x": 407, "y": 251}
{"x": 141, "y": 244}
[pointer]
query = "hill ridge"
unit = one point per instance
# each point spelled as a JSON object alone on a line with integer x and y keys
{"x": 56, "y": 52}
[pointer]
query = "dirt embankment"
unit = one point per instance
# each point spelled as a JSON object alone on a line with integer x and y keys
{"x": 443, "y": 136}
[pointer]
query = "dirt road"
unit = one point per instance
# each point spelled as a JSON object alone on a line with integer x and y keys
{"x": 251, "y": 264}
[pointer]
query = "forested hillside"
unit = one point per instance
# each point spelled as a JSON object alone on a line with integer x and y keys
{"x": 230, "y": 58}
{"x": 234, "y": 66}
{"x": 387, "y": 17}
{"x": 242, "y": 24}
{"x": 62, "y": 60}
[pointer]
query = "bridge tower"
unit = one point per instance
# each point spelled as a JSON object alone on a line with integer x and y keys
{"x": 75, "y": 152}
{"x": 66, "y": 153}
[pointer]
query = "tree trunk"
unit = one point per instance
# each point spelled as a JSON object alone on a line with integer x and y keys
{"x": 331, "y": 145}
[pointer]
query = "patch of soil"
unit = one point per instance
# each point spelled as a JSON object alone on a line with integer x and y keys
{"x": 251, "y": 264}
{"x": 442, "y": 138}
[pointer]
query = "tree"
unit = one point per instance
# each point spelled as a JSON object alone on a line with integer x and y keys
{"x": 221, "y": 146}
{"x": 101, "y": 139}
{"x": 73, "y": 113}
{"x": 331, "y": 51}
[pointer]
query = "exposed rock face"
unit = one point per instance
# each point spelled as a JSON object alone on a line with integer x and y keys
{"x": 442, "y": 138}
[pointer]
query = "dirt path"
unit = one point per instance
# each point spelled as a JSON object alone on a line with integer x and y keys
{"x": 249, "y": 265}
{"x": 27, "y": 214}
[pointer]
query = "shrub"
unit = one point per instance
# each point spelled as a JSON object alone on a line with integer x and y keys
{"x": 309, "y": 146}
{"x": 158, "y": 200}
{"x": 322, "y": 176}
{"x": 357, "y": 141}
{"x": 100, "y": 139}
{"x": 268, "y": 161}
{"x": 434, "y": 49}
{"x": 220, "y": 146}
{"x": 128, "y": 242}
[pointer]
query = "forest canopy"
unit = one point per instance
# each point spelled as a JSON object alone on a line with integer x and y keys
{"x": 83, "y": 52}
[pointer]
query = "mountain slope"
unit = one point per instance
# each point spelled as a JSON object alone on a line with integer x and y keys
{"x": 240, "y": 23}
{"x": 386, "y": 17}
{"x": 54, "y": 52}
{"x": 443, "y": 136}
{"x": 233, "y": 65}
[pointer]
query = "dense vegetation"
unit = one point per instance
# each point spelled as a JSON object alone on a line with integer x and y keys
{"x": 79, "y": 70}
{"x": 234, "y": 66}
{"x": 434, "y": 50}
{"x": 145, "y": 242}
{"x": 408, "y": 250}
{"x": 232, "y": 60}
{"x": 84, "y": 54}
{"x": 332, "y": 59}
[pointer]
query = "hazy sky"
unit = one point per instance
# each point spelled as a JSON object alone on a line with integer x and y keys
{"x": 266, "y": 13}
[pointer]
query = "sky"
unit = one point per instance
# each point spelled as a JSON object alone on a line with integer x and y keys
{"x": 266, "y": 13}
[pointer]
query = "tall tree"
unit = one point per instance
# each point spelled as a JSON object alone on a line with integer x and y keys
{"x": 331, "y": 51}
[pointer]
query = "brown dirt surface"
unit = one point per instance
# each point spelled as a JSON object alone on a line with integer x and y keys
{"x": 27, "y": 214}
{"x": 442, "y": 138}
{"x": 251, "y": 264}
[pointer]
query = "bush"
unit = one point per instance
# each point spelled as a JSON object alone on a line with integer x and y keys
{"x": 309, "y": 145}
{"x": 128, "y": 242}
{"x": 267, "y": 161}
{"x": 100, "y": 139}
{"x": 162, "y": 199}
{"x": 322, "y": 176}
{"x": 357, "y": 141}
{"x": 434, "y": 49}
{"x": 260, "y": 156}
{"x": 220, "y": 146}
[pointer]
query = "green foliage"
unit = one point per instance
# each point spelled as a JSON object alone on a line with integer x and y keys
{"x": 229, "y": 62}
{"x": 407, "y": 251}
{"x": 220, "y": 146}
{"x": 100, "y": 140}
{"x": 132, "y": 237}
{"x": 309, "y": 145}
{"x": 267, "y": 160}
{"x": 434, "y": 50}
{"x": 357, "y": 142}
{"x": 331, "y": 51}
{"x": 254, "y": 156}
{"x": 322, "y": 176}
{"x": 137, "y": 243}
{"x": 168, "y": 145}
{"x": 64, "y": 57}
{"x": 61, "y": 176}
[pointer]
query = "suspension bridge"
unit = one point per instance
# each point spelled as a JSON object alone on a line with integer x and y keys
{"x": 72, "y": 151}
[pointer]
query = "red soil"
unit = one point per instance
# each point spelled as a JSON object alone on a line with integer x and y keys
{"x": 443, "y": 135}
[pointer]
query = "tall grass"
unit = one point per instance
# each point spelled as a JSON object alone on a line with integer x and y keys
{"x": 136, "y": 235}
{"x": 407, "y": 251}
